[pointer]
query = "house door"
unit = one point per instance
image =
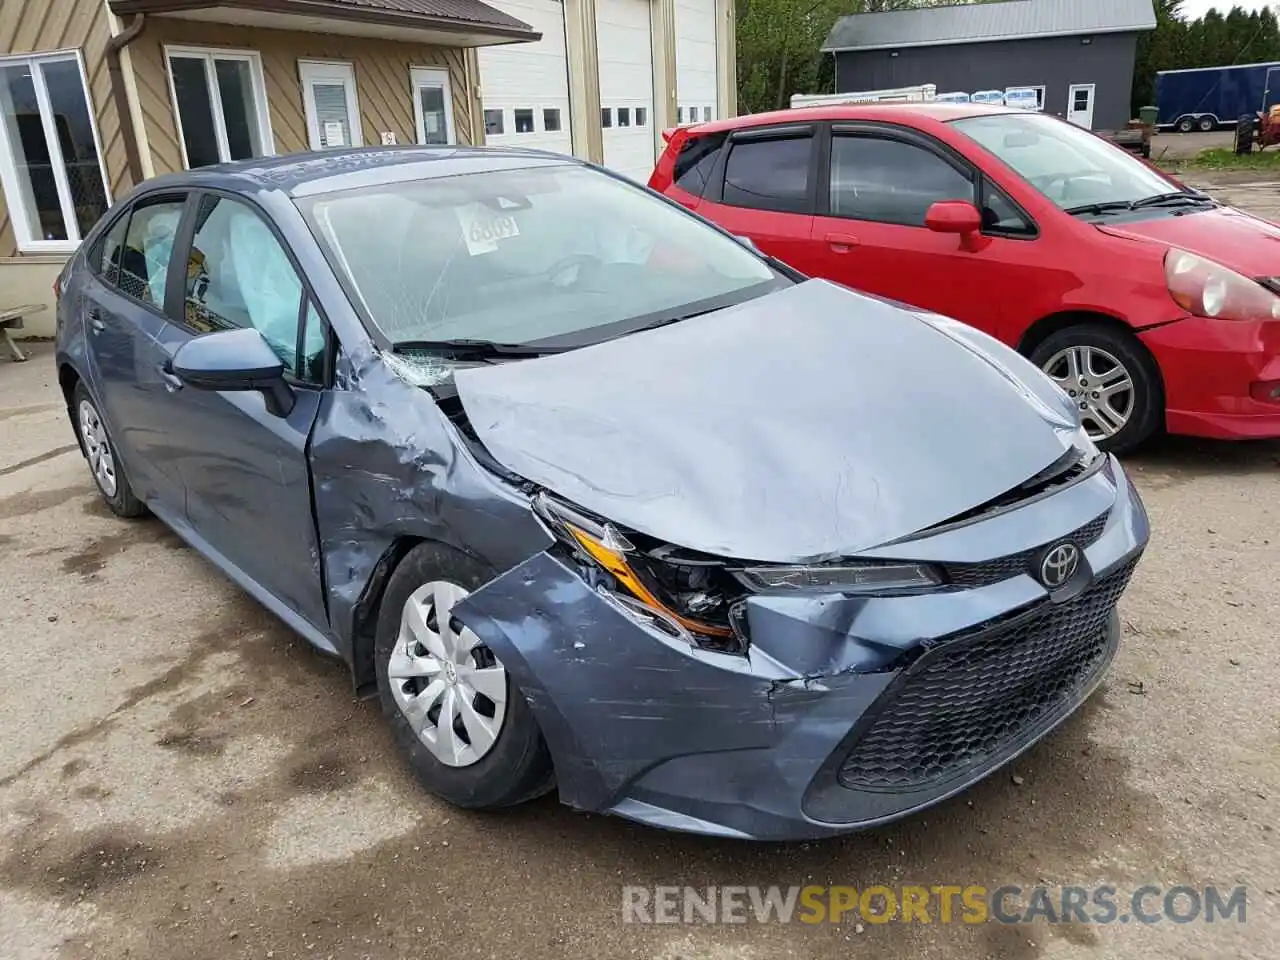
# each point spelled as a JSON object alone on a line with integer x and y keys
{"x": 329, "y": 92}
{"x": 1080, "y": 104}
{"x": 432, "y": 106}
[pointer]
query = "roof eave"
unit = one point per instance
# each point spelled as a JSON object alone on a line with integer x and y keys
{"x": 332, "y": 11}
{"x": 954, "y": 41}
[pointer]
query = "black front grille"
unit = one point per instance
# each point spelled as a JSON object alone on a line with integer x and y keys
{"x": 1002, "y": 568}
{"x": 972, "y": 699}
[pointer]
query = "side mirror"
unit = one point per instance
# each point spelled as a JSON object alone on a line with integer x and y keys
{"x": 235, "y": 360}
{"x": 959, "y": 217}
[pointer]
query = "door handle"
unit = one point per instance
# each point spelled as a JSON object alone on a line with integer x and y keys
{"x": 95, "y": 321}
{"x": 172, "y": 382}
{"x": 842, "y": 242}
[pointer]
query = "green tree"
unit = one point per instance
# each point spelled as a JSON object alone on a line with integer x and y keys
{"x": 779, "y": 42}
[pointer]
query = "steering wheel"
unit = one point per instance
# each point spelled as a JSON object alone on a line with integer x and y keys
{"x": 1046, "y": 182}
{"x": 569, "y": 271}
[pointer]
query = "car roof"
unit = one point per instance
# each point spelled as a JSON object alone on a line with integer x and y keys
{"x": 307, "y": 174}
{"x": 910, "y": 114}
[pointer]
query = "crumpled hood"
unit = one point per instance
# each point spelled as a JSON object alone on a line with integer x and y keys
{"x": 1235, "y": 239}
{"x": 810, "y": 423}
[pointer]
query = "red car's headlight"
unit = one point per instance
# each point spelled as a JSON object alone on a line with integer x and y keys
{"x": 1208, "y": 289}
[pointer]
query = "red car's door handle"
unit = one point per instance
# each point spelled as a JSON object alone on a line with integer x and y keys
{"x": 842, "y": 242}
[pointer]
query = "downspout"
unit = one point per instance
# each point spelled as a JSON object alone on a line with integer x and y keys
{"x": 120, "y": 96}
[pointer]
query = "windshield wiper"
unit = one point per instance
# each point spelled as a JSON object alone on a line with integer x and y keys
{"x": 1106, "y": 206}
{"x": 1162, "y": 198}
{"x": 478, "y": 349}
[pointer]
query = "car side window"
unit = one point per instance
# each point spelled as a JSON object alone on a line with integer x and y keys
{"x": 148, "y": 247}
{"x": 891, "y": 181}
{"x": 696, "y": 159}
{"x": 238, "y": 275}
{"x": 1000, "y": 215}
{"x": 104, "y": 260}
{"x": 769, "y": 174}
{"x": 315, "y": 342}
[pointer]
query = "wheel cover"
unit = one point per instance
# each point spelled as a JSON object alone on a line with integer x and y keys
{"x": 1098, "y": 384}
{"x": 98, "y": 449}
{"x": 450, "y": 687}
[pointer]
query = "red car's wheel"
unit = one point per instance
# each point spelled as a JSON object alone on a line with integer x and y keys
{"x": 1110, "y": 377}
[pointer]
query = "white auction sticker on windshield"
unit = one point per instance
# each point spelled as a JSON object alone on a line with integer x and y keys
{"x": 483, "y": 227}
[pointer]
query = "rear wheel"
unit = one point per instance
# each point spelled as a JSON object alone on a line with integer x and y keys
{"x": 1207, "y": 124}
{"x": 460, "y": 721}
{"x": 100, "y": 452}
{"x": 1111, "y": 379}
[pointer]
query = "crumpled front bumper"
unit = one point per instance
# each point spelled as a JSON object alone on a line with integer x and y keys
{"x": 805, "y": 735}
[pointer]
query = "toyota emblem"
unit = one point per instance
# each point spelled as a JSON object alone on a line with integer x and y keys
{"x": 1059, "y": 565}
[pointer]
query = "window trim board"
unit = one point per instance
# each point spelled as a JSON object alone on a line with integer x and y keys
{"x": 261, "y": 108}
{"x": 24, "y": 236}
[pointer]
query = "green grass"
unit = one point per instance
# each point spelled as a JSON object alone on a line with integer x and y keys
{"x": 1220, "y": 158}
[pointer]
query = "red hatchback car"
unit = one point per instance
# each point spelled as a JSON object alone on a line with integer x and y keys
{"x": 1150, "y": 304}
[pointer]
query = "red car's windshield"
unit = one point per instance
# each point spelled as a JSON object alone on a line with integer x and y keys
{"x": 1070, "y": 166}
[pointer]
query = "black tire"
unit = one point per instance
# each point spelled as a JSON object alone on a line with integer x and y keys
{"x": 1207, "y": 124}
{"x": 518, "y": 765}
{"x": 1147, "y": 413}
{"x": 1186, "y": 125}
{"x": 122, "y": 501}
{"x": 1244, "y": 135}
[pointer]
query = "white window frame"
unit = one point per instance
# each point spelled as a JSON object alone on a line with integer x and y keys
{"x": 208, "y": 54}
{"x": 28, "y": 239}
{"x": 420, "y": 77}
{"x": 330, "y": 71}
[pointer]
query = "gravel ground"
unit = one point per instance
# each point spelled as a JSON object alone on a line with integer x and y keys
{"x": 182, "y": 777}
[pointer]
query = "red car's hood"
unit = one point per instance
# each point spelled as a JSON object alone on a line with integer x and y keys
{"x": 1234, "y": 239}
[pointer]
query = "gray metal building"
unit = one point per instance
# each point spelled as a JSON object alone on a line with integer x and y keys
{"x": 1077, "y": 54}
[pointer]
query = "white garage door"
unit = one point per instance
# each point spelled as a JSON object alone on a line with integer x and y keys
{"x": 524, "y": 87}
{"x": 626, "y": 86}
{"x": 695, "y": 61}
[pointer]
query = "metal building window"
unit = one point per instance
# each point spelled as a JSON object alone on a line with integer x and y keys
{"x": 551, "y": 119}
{"x": 624, "y": 116}
{"x": 524, "y": 120}
{"x": 606, "y": 116}
{"x": 50, "y": 157}
{"x": 493, "y": 125}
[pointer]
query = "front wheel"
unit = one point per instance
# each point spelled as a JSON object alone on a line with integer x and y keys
{"x": 1186, "y": 125}
{"x": 460, "y": 721}
{"x": 1111, "y": 379}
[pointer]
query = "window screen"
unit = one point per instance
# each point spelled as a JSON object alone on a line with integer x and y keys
{"x": 769, "y": 174}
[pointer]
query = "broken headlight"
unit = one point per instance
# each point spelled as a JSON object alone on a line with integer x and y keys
{"x": 842, "y": 578}
{"x": 678, "y": 588}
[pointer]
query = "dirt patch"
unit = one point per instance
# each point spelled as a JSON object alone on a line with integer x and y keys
{"x": 73, "y": 867}
{"x": 193, "y": 744}
{"x": 34, "y": 501}
{"x": 87, "y": 561}
{"x": 323, "y": 775}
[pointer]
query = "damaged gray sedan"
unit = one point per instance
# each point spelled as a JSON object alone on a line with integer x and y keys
{"x": 593, "y": 496}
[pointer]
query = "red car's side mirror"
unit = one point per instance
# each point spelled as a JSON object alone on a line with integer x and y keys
{"x": 959, "y": 217}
